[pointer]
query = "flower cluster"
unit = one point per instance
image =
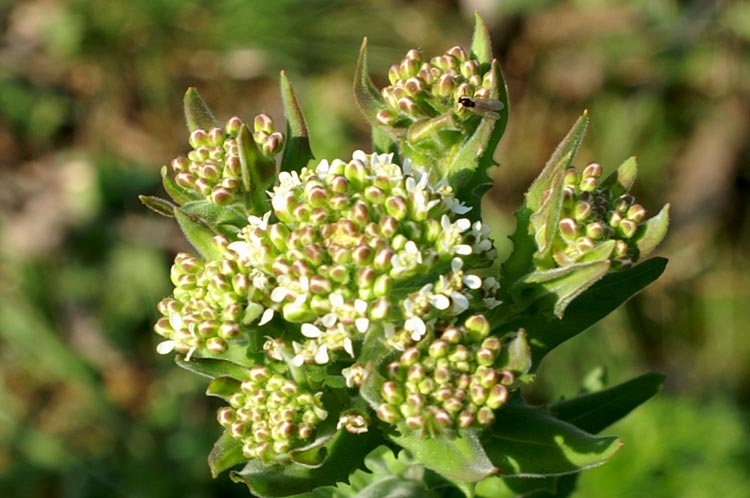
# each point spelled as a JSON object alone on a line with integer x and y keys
{"x": 212, "y": 169}
{"x": 426, "y": 89}
{"x": 271, "y": 416}
{"x": 451, "y": 382}
{"x": 591, "y": 215}
{"x": 362, "y": 246}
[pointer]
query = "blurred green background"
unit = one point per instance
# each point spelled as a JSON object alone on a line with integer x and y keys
{"x": 90, "y": 108}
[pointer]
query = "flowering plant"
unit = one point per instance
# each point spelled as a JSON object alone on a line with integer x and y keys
{"x": 352, "y": 315}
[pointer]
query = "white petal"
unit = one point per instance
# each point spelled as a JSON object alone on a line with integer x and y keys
{"x": 460, "y": 303}
{"x": 322, "y": 169}
{"x": 440, "y": 302}
{"x": 362, "y": 324}
{"x": 456, "y": 264}
{"x": 266, "y": 317}
{"x": 336, "y": 299}
{"x": 459, "y": 208}
{"x": 278, "y": 294}
{"x": 349, "y": 347}
{"x": 241, "y": 247}
{"x": 165, "y": 347}
{"x": 463, "y": 224}
{"x": 190, "y": 354}
{"x": 311, "y": 331}
{"x": 462, "y": 249}
{"x": 329, "y": 320}
{"x": 360, "y": 306}
{"x": 298, "y": 360}
{"x": 321, "y": 357}
{"x": 175, "y": 320}
{"x": 472, "y": 281}
{"x": 416, "y": 326}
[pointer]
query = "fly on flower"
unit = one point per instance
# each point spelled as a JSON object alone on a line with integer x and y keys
{"x": 487, "y": 108}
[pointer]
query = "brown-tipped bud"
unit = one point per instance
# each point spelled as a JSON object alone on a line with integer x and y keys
{"x": 636, "y": 212}
{"x": 426, "y": 386}
{"x": 442, "y": 418}
{"x": 216, "y": 345}
{"x": 457, "y": 52}
{"x": 445, "y": 86}
{"x": 414, "y": 86}
{"x": 568, "y": 229}
{"x": 497, "y": 396}
{"x": 465, "y": 419}
{"x": 408, "y": 106}
{"x": 392, "y": 393}
{"x": 571, "y": 177}
{"x": 380, "y": 309}
{"x": 614, "y": 219}
{"x": 207, "y": 328}
{"x": 409, "y": 357}
{"x": 469, "y": 68}
{"x": 582, "y": 210}
{"x": 595, "y": 230}
{"x": 339, "y": 184}
{"x": 216, "y": 137}
{"x": 388, "y": 414}
{"x": 452, "y": 335}
{"x": 478, "y": 327}
{"x": 185, "y": 179}
{"x": 588, "y": 184}
{"x": 485, "y": 416}
{"x": 198, "y": 138}
{"x": 393, "y": 74}
{"x": 179, "y": 164}
{"x": 409, "y": 68}
{"x": 225, "y": 416}
{"x": 438, "y": 349}
{"x": 416, "y": 373}
{"x": 621, "y": 249}
{"x": 229, "y": 330}
{"x": 415, "y": 422}
{"x": 221, "y": 196}
{"x": 272, "y": 144}
{"x": 263, "y": 122}
{"x": 584, "y": 244}
{"x": 592, "y": 170}
{"x": 386, "y": 117}
{"x": 627, "y": 228}
{"x": 233, "y": 126}
{"x": 623, "y": 203}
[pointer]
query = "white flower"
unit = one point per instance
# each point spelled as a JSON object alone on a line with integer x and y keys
{"x": 311, "y": 331}
{"x": 261, "y": 223}
{"x": 408, "y": 259}
{"x": 416, "y": 326}
{"x": 266, "y": 317}
{"x": 165, "y": 347}
{"x": 321, "y": 356}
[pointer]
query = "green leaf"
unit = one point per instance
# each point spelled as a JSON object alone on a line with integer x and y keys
{"x": 564, "y": 284}
{"x": 547, "y": 332}
{"x": 214, "y": 215}
{"x": 197, "y": 113}
{"x": 223, "y": 387}
{"x": 258, "y": 172}
{"x": 158, "y": 205}
{"x": 515, "y": 487}
{"x": 382, "y": 143}
{"x": 561, "y": 159}
{"x": 594, "y": 412}
{"x": 527, "y": 441}
{"x": 623, "y": 178}
{"x": 460, "y": 459}
{"x": 546, "y": 218}
{"x": 212, "y": 368}
{"x": 344, "y": 453}
{"x": 369, "y": 99}
{"x": 651, "y": 233}
{"x": 297, "y": 152}
{"x": 481, "y": 45}
{"x": 176, "y": 192}
{"x": 198, "y": 233}
{"x": 226, "y": 453}
{"x": 388, "y": 477}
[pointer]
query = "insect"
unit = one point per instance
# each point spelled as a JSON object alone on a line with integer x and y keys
{"x": 487, "y": 108}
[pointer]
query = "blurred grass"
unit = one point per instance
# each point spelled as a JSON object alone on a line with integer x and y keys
{"x": 90, "y": 97}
